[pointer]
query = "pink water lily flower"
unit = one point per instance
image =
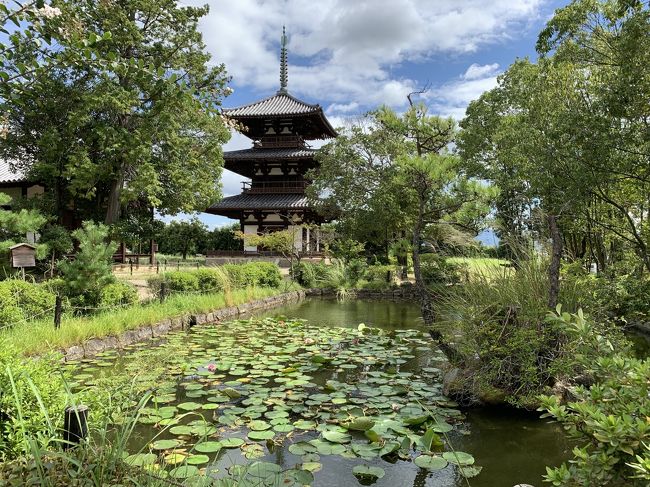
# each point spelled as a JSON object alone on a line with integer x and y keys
{"x": 212, "y": 367}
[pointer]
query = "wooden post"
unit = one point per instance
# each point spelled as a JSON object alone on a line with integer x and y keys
{"x": 197, "y": 265}
{"x": 163, "y": 291}
{"x": 131, "y": 265}
{"x": 57, "y": 312}
{"x": 157, "y": 267}
{"x": 178, "y": 265}
{"x": 75, "y": 425}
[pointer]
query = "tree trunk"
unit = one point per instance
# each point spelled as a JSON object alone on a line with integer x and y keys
{"x": 113, "y": 209}
{"x": 425, "y": 297}
{"x": 556, "y": 257}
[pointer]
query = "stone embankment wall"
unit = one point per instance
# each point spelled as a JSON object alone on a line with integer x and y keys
{"x": 94, "y": 346}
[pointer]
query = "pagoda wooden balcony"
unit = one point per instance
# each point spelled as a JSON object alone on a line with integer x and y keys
{"x": 270, "y": 187}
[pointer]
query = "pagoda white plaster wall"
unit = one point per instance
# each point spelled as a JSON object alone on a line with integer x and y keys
{"x": 250, "y": 230}
{"x": 276, "y": 171}
{"x": 273, "y": 217}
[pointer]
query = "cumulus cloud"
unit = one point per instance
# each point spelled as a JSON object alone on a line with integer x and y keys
{"x": 451, "y": 99}
{"x": 345, "y": 52}
{"x": 476, "y": 71}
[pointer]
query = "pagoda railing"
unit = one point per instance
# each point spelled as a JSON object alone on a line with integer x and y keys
{"x": 280, "y": 142}
{"x": 265, "y": 187}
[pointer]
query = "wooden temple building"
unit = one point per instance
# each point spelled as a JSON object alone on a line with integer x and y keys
{"x": 279, "y": 127}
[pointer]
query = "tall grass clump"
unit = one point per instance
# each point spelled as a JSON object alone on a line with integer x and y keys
{"x": 499, "y": 325}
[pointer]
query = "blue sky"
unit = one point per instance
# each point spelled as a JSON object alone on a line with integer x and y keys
{"x": 351, "y": 56}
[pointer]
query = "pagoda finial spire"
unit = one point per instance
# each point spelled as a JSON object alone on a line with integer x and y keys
{"x": 284, "y": 76}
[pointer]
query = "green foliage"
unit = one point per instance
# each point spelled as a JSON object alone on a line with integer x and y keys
{"x": 346, "y": 249}
{"x": 498, "y": 322}
{"x": 309, "y": 274}
{"x": 22, "y": 301}
{"x": 136, "y": 77}
{"x": 223, "y": 278}
{"x": 31, "y": 399}
{"x": 90, "y": 270}
{"x": 609, "y": 417}
{"x": 118, "y": 294}
{"x": 437, "y": 270}
{"x": 182, "y": 237}
{"x": 253, "y": 274}
{"x": 57, "y": 239}
{"x": 181, "y": 281}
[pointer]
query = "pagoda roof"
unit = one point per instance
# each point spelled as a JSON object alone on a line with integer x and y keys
{"x": 231, "y": 205}
{"x": 264, "y": 153}
{"x": 282, "y": 105}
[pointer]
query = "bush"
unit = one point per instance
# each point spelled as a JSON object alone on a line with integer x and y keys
{"x": 182, "y": 282}
{"x": 253, "y": 274}
{"x": 267, "y": 274}
{"x": 215, "y": 279}
{"x": 609, "y": 419}
{"x": 310, "y": 274}
{"x": 22, "y": 412}
{"x": 380, "y": 274}
{"x": 436, "y": 270}
{"x": 355, "y": 269}
{"x": 118, "y": 294}
{"x": 212, "y": 279}
{"x": 498, "y": 323}
{"x": 23, "y": 301}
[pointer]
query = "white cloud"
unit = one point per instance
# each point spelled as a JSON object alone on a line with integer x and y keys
{"x": 343, "y": 52}
{"x": 477, "y": 71}
{"x": 451, "y": 99}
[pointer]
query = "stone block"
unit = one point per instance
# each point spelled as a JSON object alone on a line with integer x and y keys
{"x": 161, "y": 329}
{"x": 93, "y": 347}
{"x": 74, "y": 353}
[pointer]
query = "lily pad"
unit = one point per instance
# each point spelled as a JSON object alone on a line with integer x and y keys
{"x": 368, "y": 471}
{"x": 431, "y": 462}
{"x": 458, "y": 458}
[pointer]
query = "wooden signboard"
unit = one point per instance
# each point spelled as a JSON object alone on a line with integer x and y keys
{"x": 23, "y": 255}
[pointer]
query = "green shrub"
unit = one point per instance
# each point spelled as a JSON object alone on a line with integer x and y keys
{"x": 182, "y": 282}
{"x": 267, "y": 274}
{"x": 118, "y": 294}
{"x": 609, "y": 418}
{"x": 253, "y": 274}
{"x": 355, "y": 269}
{"x": 23, "y": 301}
{"x": 379, "y": 273}
{"x": 212, "y": 279}
{"x": 436, "y": 270}
{"x": 310, "y": 274}
{"x": 498, "y": 323}
{"x": 22, "y": 413}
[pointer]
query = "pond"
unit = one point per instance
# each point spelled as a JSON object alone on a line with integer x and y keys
{"x": 327, "y": 400}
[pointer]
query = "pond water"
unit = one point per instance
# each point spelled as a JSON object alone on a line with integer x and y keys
{"x": 512, "y": 446}
{"x": 274, "y": 390}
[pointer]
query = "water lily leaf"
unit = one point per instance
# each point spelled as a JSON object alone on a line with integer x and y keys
{"x": 208, "y": 447}
{"x": 359, "y": 424}
{"x": 430, "y": 462}
{"x": 190, "y": 406}
{"x": 327, "y": 448}
{"x": 301, "y": 448}
{"x": 470, "y": 472}
{"x": 197, "y": 459}
{"x": 258, "y": 425}
{"x": 184, "y": 472}
{"x": 231, "y": 442}
{"x": 365, "y": 471}
{"x": 336, "y": 437}
{"x": 312, "y": 466}
{"x": 165, "y": 444}
{"x": 261, "y": 435}
{"x": 458, "y": 458}
{"x": 141, "y": 459}
{"x": 181, "y": 430}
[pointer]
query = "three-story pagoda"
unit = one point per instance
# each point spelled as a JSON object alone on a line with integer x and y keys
{"x": 276, "y": 164}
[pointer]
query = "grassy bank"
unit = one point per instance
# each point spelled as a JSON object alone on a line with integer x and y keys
{"x": 40, "y": 336}
{"x": 481, "y": 266}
